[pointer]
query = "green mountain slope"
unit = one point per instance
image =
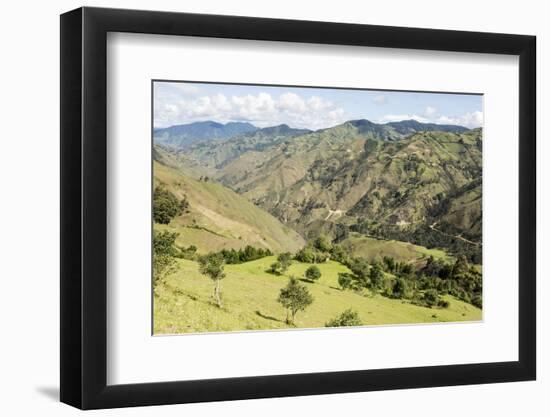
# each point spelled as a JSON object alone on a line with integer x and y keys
{"x": 219, "y": 218}
{"x": 404, "y": 180}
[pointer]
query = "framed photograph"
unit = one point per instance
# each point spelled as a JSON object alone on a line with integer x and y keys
{"x": 256, "y": 208}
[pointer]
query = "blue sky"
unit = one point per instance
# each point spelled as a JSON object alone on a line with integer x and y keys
{"x": 312, "y": 108}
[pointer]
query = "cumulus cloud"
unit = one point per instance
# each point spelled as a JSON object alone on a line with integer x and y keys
{"x": 262, "y": 109}
{"x": 469, "y": 120}
{"x": 430, "y": 111}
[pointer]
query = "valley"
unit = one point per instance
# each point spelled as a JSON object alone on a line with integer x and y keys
{"x": 389, "y": 215}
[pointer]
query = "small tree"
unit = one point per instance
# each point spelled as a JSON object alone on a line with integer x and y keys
{"x": 345, "y": 280}
{"x": 347, "y": 318}
{"x": 313, "y": 273}
{"x": 400, "y": 288}
{"x": 376, "y": 276}
{"x": 431, "y": 298}
{"x": 294, "y": 297}
{"x": 164, "y": 262}
{"x": 360, "y": 268}
{"x": 166, "y": 205}
{"x": 322, "y": 243}
{"x": 212, "y": 265}
{"x": 285, "y": 260}
{"x": 275, "y": 267}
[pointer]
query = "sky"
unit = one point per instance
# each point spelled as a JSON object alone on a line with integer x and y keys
{"x": 311, "y": 108}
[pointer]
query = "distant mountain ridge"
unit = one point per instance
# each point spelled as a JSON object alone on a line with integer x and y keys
{"x": 182, "y": 136}
{"x": 185, "y": 135}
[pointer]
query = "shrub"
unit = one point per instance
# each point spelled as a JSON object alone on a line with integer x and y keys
{"x": 400, "y": 288}
{"x": 347, "y": 318}
{"x": 443, "y": 304}
{"x": 166, "y": 206}
{"x": 285, "y": 260}
{"x": 313, "y": 273}
{"x": 345, "y": 280}
{"x": 431, "y": 298}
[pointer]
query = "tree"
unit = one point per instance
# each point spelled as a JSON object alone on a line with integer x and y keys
{"x": 164, "y": 262}
{"x": 166, "y": 205}
{"x": 400, "y": 288}
{"x": 322, "y": 243}
{"x": 313, "y": 273}
{"x": 360, "y": 268}
{"x": 376, "y": 276}
{"x": 431, "y": 298}
{"x": 294, "y": 297}
{"x": 285, "y": 259}
{"x": 275, "y": 267}
{"x": 306, "y": 255}
{"x": 347, "y": 318}
{"x": 212, "y": 265}
{"x": 460, "y": 267}
{"x": 345, "y": 280}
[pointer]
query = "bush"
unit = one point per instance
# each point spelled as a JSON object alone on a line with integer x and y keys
{"x": 347, "y": 318}
{"x": 285, "y": 260}
{"x": 313, "y": 273}
{"x": 166, "y": 206}
{"x": 400, "y": 288}
{"x": 431, "y": 298}
{"x": 345, "y": 280}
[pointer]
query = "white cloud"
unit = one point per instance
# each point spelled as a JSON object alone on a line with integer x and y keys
{"x": 261, "y": 109}
{"x": 469, "y": 120}
{"x": 398, "y": 117}
{"x": 380, "y": 99}
{"x": 430, "y": 111}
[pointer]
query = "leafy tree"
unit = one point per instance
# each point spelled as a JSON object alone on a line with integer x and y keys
{"x": 345, "y": 280}
{"x": 376, "y": 276}
{"x": 166, "y": 206}
{"x": 339, "y": 254}
{"x": 164, "y": 261}
{"x": 285, "y": 259}
{"x": 389, "y": 263}
{"x": 313, "y": 273}
{"x": 360, "y": 268}
{"x": 294, "y": 297}
{"x": 212, "y": 265}
{"x": 400, "y": 288}
{"x": 460, "y": 267}
{"x": 431, "y": 298}
{"x": 275, "y": 267}
{"x": 347, "y": 318}
{"x": 322, "y": 243}
{"x": 306, "y": 255}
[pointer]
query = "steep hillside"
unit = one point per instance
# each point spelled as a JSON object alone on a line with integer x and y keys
{"x": 405, "y": 180}
{"x": 219, "y": 218}
{"x": 339, "y": 176}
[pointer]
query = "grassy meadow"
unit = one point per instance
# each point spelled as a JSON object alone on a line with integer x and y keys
{"x": 183, "y": 302}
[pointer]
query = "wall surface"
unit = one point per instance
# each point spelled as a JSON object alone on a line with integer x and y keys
{"x": 29, "y": 237}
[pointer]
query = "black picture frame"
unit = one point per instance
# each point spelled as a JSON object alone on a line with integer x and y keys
{"x": 84, "y": 207}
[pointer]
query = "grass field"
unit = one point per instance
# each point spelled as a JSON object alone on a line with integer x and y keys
{"x": 184, "y": 302}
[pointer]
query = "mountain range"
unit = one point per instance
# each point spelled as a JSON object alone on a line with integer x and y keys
{"x": 408, "y": 180}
